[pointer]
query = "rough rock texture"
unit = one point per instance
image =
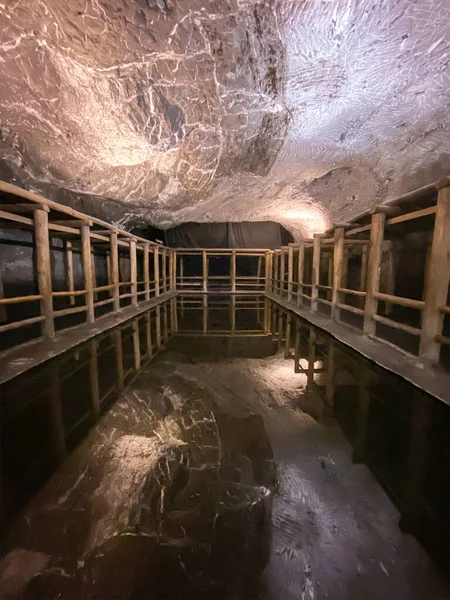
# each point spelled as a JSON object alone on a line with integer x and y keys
{"x": 225, "y": 110}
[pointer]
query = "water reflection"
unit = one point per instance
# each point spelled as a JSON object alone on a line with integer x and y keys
{"x": 46, "y": 412}
{"x": 398, "y": 431}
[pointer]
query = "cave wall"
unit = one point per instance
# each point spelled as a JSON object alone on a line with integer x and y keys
{"x": 168, "y": 111}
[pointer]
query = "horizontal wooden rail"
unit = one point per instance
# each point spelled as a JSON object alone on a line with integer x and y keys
{"x": 417, "y": 214}
{"x": 409, "y": 302}
{"x": 69, "y": 311}
{"x": 104, "y": 288}
{"x": 352, "y": 309}
{"x": 16, "y": 324}
{"x": 103, "y": 302}
{"x": 69, "y": 293}
{"x": 396, "y": 325}
{"x": 353, "y": 292}
{"x": 324, "y": 301}
{"x": 19, "y": 299}
{"x": 14, "y": 190}
{"x": 358, "y": 230}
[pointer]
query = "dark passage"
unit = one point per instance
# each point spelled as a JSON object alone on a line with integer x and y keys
{"x": 253, "y": 457}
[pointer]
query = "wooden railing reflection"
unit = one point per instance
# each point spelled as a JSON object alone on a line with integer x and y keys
{"x": 225, "y": 316}
{"x": 399, "y": 432}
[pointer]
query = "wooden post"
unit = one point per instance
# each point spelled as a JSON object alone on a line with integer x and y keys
{"x": 56, "y": 416}
{"x": 3, "y": 312}
{"x": 133, "y": 272}
{"x": 390, "y": 283}
{"x": 329, "y": 385}
{"x": 330, "y": 271}
{"x": 282, "y": 270}
{"x": 315, "y": 272}
{"x": 87, "y": 272}
{"x": 436, "y": 279}
{"x": 362, "y": 281}
{"x": 114, "y": 259}
{"x": 205, "y": 314}
{"x": 420, "y": 435}
{"x": 93, "y": 372}
{"x": 169, "y": 279}
{"x": 311, "y": 358}
{"x": 274, "y": 321}
{"x": 275, "y": 272}
{"x": 373, "y": 271}
{"x": 181, "y": 272}
{"x": 280, "y": 330}
{"x": 69, "y": 271}
{"x": 362, "y": 418}
{"x": 175, "y": 314}
{"x": 108, "y": 273}
{"x": 338, "y": 259}
{"x": 290, "y": 271}
{"x": 165, "y": 324}
{"x": 297, "y": 347}
{"x": 233, "y": 313}
{"x": 173, "y": 285}
{"x": 301, "y": 262}
{"x": 267, "y": 271}
{"x": 164, "y": 270}
{"x": 158, "y": 327}
{"x": 205, "y": 271}
{"x": 172, "y": 316}
{"x": 146, "y": 272}
{"x": 345, "y": 269}
{"x": 94, "y": 275}
{"x": 117, "y": 333}
{"x": 156, "y": 269}
{"x": 148, "y": 334}
{"x": 266, "y": 316}
{"x": 287, "y": 346}
{"x": 258, "y": 272}
{"x": 44, "y": 271}
{"x": 233, "y": 271}
{"x": 136, "y": 345}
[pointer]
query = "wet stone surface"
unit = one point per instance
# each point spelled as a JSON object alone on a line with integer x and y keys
{"x": 221, "y": 477}
{"x": 167, "y": 496}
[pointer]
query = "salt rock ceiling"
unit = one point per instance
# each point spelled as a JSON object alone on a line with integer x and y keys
{"x": 166, "y": 111}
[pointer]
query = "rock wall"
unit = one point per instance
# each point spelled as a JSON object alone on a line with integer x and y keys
{"x": 167, "y": 111}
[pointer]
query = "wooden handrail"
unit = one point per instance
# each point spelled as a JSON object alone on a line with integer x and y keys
{"x": 19, "y": 299}
{"x": 409, "y": 302}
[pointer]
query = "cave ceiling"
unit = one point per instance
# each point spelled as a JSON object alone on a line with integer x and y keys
{"x": 166, "y": 111}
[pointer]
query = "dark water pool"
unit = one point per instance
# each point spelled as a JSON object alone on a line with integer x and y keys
{"x": 242, "y": 461}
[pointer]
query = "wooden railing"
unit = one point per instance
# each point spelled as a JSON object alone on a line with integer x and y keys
{"x": 227, "y": 310}
{"x": 200, "y": 279}
{"x": 150, "y": 268}
{"x": 313, "y": 273}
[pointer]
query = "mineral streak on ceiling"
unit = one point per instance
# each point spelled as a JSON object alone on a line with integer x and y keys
{"x": 298, "y": 111}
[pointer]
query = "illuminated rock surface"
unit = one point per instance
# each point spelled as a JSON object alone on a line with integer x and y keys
{"x": 225, "y": 110}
